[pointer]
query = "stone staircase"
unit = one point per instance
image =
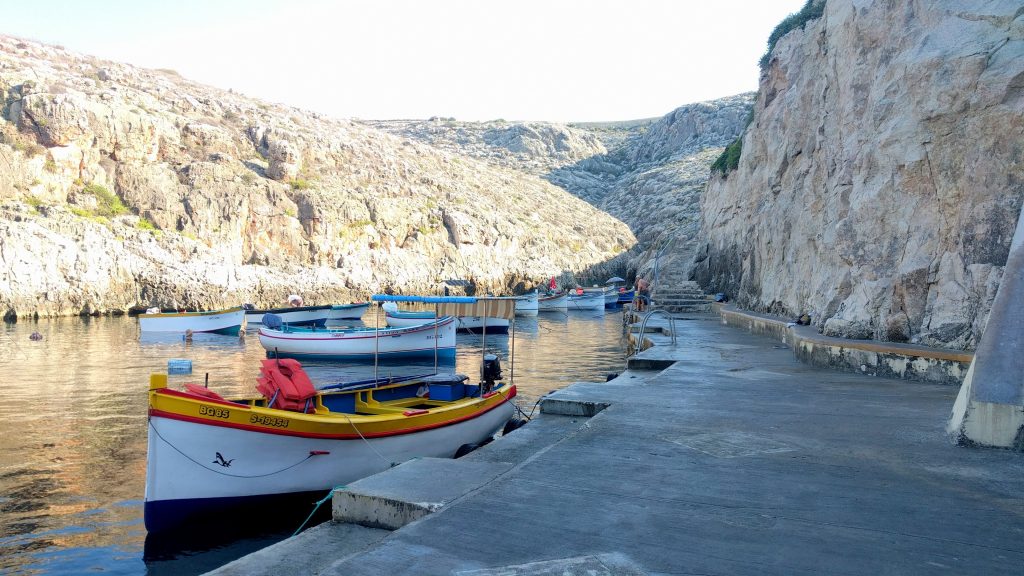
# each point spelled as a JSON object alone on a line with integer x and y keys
{"x": 679, "y": 297}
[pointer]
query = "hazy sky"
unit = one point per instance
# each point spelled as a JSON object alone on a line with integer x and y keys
{"x": 559, "y": 60}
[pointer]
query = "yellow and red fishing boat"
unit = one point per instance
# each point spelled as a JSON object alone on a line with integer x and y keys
{"x": 208, "y": 454}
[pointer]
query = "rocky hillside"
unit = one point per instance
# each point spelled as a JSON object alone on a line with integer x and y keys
{"x": 122, "y": 187}
{"x": 880, "y": 182}
{"x": 648, "y": 174}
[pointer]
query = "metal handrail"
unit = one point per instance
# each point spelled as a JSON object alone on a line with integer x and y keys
{"x": 643, "y": 327}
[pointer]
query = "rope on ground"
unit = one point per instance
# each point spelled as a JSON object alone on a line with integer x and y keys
{"x": 317, "y": 507}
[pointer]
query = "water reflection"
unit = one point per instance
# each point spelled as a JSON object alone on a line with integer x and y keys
{"x": 73, "y": 426}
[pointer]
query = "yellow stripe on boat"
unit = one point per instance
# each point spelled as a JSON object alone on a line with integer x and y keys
{"x": 373, "y": 418}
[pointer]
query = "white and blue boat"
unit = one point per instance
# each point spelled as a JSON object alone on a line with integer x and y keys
{"x": 353, "y": 311}
{"x": 292, "y": 316}
{"x": 228, "y": 322}
{"x": 425, "y": 340}
{"x": 396, "y": 318}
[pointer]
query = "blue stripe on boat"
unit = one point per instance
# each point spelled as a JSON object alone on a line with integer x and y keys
{"x": 425, "y": 353}
{"x": 166, "y": 516}
{"x": 229, "y": 331}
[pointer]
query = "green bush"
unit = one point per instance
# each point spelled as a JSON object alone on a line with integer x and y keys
{"x": 109, "y": 203}
{"x": 730, "y": 158}
{"x": 300, "y": 184}
{"x": 812, "y": 10}
{"x": 145, "y": 224}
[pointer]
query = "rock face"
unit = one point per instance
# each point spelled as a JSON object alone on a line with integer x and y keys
{"x": 647, "y": 173}
{"x": 880, "y": 183}
{"x": 125, "y": 188}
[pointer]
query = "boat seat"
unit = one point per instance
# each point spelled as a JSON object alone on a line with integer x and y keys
{"x": 286, "y": 385}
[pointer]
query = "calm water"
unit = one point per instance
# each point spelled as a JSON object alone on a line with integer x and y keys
{"x": 73, "y": 428}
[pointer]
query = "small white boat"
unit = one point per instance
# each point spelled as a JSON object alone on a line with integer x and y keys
{"x": 353, "y": 311}
{"x": 527, "y": 304}
{"x": 586, "y": 301}
{"x": 474, "y": 324}
{"x": 292, "y": 316}
{"x": 420, "y": 341}
{"x": 228, "y": 321}
{"x": 553, "y": 303}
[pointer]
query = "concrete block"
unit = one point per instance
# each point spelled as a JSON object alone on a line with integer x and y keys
{"x": 410, "y": 491}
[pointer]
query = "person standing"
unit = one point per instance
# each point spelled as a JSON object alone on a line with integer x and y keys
{"x": 643, "y": 294}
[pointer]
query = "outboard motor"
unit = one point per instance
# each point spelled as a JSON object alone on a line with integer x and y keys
{"x": 490, "y": 372}
{"x": 272, "y": 321}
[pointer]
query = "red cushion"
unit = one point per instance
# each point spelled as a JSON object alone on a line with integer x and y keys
{"x": 202, "y": 391}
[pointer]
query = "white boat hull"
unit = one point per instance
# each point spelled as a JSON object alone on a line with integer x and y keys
{"x": 558, "y": 303}
{"x": 225, "y": 321}
{"x": 474, "y": 324}
{"x": 588, "y": 301}
{"x": 306, "y": 316}
{"x": 363, "y": 344}
{"x": 353, "y": 311}
{"x": 185, "y": 469}
{"x": 527, "y": 305}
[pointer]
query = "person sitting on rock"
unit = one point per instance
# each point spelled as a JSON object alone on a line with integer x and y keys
{"x": 295, "y": 301}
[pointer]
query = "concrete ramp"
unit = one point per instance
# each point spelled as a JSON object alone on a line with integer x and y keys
{"x": 989, "y": 410}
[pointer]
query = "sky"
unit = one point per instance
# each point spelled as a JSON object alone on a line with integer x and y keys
{"x": 554, "y": 60}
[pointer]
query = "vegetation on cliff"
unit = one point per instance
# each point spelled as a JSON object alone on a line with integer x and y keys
{"x": 812, "y": 10}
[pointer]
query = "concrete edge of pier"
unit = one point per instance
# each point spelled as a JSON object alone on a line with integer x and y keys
{"x": 870, "y": 357}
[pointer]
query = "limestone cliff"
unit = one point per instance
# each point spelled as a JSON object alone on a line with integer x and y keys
{"x": 880, "y": 182}
{"x": 647, "y": 173}
{"x": 122, "y": 187}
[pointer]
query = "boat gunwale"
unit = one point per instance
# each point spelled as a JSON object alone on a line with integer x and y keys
{"x": 187, "y": 314}
{"x": 484, "y": 404}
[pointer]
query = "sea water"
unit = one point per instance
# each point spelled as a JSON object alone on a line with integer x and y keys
{"x": 73, "y": 427}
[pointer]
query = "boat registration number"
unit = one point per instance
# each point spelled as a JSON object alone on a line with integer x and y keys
{"x": 269, "y": 421}
{"x": 214, "y": 412}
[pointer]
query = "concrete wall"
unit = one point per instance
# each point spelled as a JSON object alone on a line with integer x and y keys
{"x": 861, "y": 356}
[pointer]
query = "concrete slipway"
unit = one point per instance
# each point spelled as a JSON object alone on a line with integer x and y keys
{"x": 736, "y": 459}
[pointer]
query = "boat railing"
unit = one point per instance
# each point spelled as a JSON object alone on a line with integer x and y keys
{"x": 643, "y": 328}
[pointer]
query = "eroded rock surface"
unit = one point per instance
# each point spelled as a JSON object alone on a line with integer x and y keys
{"x": 125, "y": 188}
{"x": 881, "y": 180}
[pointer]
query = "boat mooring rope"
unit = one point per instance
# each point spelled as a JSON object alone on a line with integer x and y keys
{"x": 379, "y": 455}
{"x": 317, "y": 507}
{"x": 221, "y": 472}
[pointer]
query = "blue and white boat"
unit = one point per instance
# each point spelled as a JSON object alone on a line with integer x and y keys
{"x": 472, "y": 324}
{"x": 292, "y": 316}
{"x": 586, "y": 301}
{"x": 227, "y": 322}
{"x": 357, "y": 344}
{"x": 353, "y": 311}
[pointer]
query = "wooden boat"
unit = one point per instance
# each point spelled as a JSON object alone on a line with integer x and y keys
{"x": 527, "y": 304}
{"x": 473, "y": 324}
{"x": 553, "y": 303}
{"x": 353, "y": 311}
{"x": 211, "y": 458}
{"x": 586, "y": 301}
{"x": 435, "y": 338}
{"x": 293, "y": 315}
{"x": 228, "y": 321}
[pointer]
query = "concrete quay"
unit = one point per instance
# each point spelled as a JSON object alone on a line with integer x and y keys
{"x": 736, "y": 459}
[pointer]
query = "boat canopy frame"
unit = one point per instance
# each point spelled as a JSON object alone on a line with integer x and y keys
{"x": 484, "y": 307}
